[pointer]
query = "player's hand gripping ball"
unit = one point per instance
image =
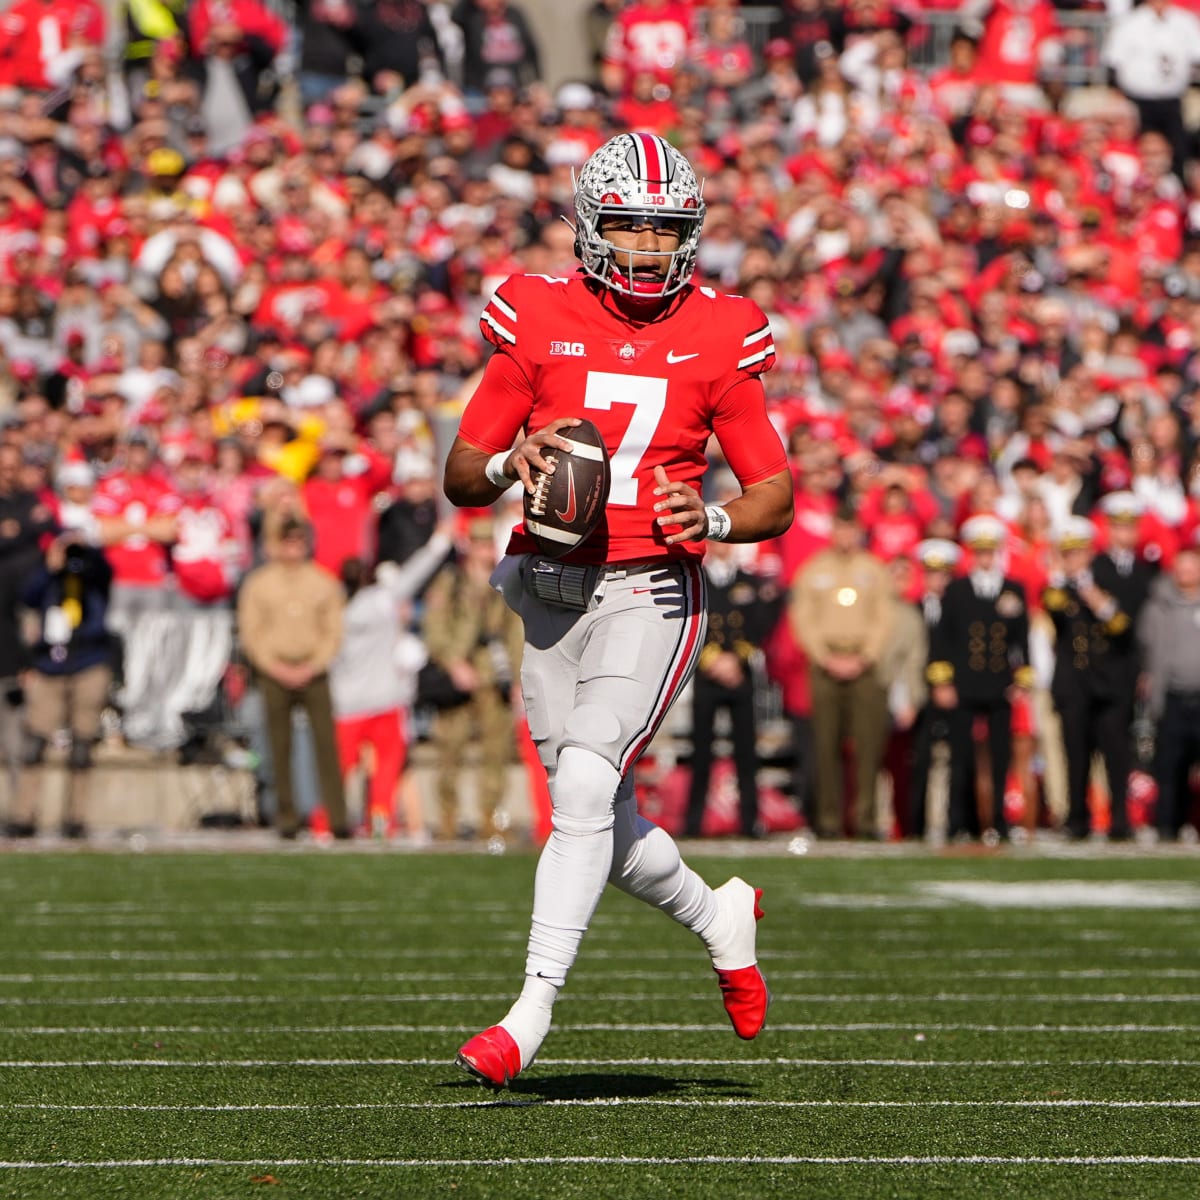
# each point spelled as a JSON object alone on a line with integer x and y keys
{"x": 566, "y": 506}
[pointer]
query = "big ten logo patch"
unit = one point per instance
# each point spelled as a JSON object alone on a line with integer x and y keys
{"x": 568, "y": 349}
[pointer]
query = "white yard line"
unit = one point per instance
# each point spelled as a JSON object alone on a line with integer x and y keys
{"x": 593, "y": 1027}
{"x": 380, "y": 951}
{"x": 993, "y": 998}
{"x": 615, "y": 1102}
{"x": 36, "y": 977}
{"x": 783, "y": 1160}
{"x": 920, "y": 1064}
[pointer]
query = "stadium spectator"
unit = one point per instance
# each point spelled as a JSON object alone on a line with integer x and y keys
{"x": 399, "y": 43}
{"x": 742, "y": 609}
{"x": 1088, "y": 687}
{"x": 340, "y": 504}
{"x": 841, "y": 614}
{"x": 939, "y": 559}
{"x": 978, "y": 658}
{"x": 372, "y": 679}
{"x": 813, "y": 31}
{"x": 496, "y": 36}
{"x": 649, "y": 37}
{"x": 1167, "y": 635}
{"x": 329, "y": 34}
{"x": 476, "y": 639}
{"x": 43, "y": 42}
{"x": 68, "y": 681}
{"x": 1150, "y": 52}
{"x": 137, "y": 511}
{"x": 13, "y": 663}
{"x": 290, "y": 621}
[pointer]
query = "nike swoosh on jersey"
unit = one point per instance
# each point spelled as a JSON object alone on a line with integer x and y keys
{"x": 568, "y": 514}
{"x": 672, "y": 357}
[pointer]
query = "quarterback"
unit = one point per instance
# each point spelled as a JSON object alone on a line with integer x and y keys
{"x": 614, "y": 627}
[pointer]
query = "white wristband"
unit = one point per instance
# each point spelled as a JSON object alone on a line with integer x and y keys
{"x": 495, "y": 470}
{"x": 719, "y": 524}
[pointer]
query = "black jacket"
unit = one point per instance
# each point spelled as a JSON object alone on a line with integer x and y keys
{"x": 981, "y": 645}
{"x": 1131, "y": 592}
{"x": 396, "y": 35}
{"x": 742, "y": 611}
{"x": 483, "y": 39}
{"x": 23, "y": 521}
{"x": 1094, "y": 659}
{"x": 75, "y": 636}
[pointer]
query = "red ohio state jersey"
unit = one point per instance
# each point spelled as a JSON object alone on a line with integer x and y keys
{"x": 656, "y": 392}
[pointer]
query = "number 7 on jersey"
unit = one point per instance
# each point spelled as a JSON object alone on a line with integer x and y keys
{"x": 648, "y": 396}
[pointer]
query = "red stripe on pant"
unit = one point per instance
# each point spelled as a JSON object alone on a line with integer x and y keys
{"x": 680, "y": 668}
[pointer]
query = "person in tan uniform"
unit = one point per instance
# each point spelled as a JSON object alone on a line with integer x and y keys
{"x": 290, "y": 627}
{"x": 841, "y": 613}
{"x": 476, "y": 638}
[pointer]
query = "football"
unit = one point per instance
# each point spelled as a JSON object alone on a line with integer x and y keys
{"x": 566, "y": 506}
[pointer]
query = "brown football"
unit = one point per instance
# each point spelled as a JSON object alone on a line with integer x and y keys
{"x": 566, "y": 506}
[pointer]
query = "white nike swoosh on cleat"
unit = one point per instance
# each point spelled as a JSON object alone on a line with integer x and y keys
{"x": 672, "y": 357}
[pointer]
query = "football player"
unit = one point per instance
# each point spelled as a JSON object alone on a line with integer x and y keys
{"x": 613, "y": 628}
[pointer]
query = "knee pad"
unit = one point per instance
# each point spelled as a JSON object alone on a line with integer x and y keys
{"x": 593, "y": 725}
{"x": 585, "y": 787}
{"x": 33, "y": 750}
{"x": 80, "y": 757}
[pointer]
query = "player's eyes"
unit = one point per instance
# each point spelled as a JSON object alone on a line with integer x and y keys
{"x": 667, "y": 225}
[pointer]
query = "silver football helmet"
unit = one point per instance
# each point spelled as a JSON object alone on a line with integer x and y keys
{"x": 641, "y": 175}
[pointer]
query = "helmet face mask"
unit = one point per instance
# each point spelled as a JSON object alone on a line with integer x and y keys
{"x": 641, "y": 179}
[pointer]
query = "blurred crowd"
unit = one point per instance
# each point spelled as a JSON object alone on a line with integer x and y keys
{"x": 243, "y": 253}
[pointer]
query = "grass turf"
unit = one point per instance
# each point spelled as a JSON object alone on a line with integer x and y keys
{"x": 210, "y": 1025}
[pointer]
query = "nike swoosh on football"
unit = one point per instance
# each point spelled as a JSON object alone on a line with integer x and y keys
{"x": 672, "y": 357}
{"x": 568, "y": 514}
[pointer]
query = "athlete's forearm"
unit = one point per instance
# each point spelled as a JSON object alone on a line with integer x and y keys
{"x": 465, "y": 480}
{"x": 763, "y": 510}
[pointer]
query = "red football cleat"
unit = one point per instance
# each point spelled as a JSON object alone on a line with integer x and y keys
{"x": 743, "y": 989}
{"x": 492, "y": 1057}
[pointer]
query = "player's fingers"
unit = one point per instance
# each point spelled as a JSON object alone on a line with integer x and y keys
{"x": 523, "y": 473}
{"x": 660, "y": 477}
{"x": 688, "y": 519}
{"x": 549, "y": 436}
{"x": 675, "y": 501}
{"x": 691, "y": 529}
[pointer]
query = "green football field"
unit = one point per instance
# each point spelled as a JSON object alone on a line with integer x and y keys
{"x": 284, "y": 1024}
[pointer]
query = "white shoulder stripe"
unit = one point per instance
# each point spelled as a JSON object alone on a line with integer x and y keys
{"x": 766, "y": 352}
{"x": 765, "y": 331}
{"x": 506, "y": 334}
{"x": 506, "y": 310}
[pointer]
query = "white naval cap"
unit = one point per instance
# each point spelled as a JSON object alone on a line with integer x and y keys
{"x": 983, "y": 533}
{"x": 938, "y": 554}
{"x": 1077, "y": 533}
{"x": 1122, "y": 506}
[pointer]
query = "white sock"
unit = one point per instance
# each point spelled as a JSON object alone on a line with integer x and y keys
{"x": 647, "y": 864}
{"x": 571, "y": 874}
{"x": 528, "y": 1021}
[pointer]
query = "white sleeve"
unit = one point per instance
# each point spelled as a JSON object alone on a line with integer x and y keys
{"x": 404, "y": 581}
